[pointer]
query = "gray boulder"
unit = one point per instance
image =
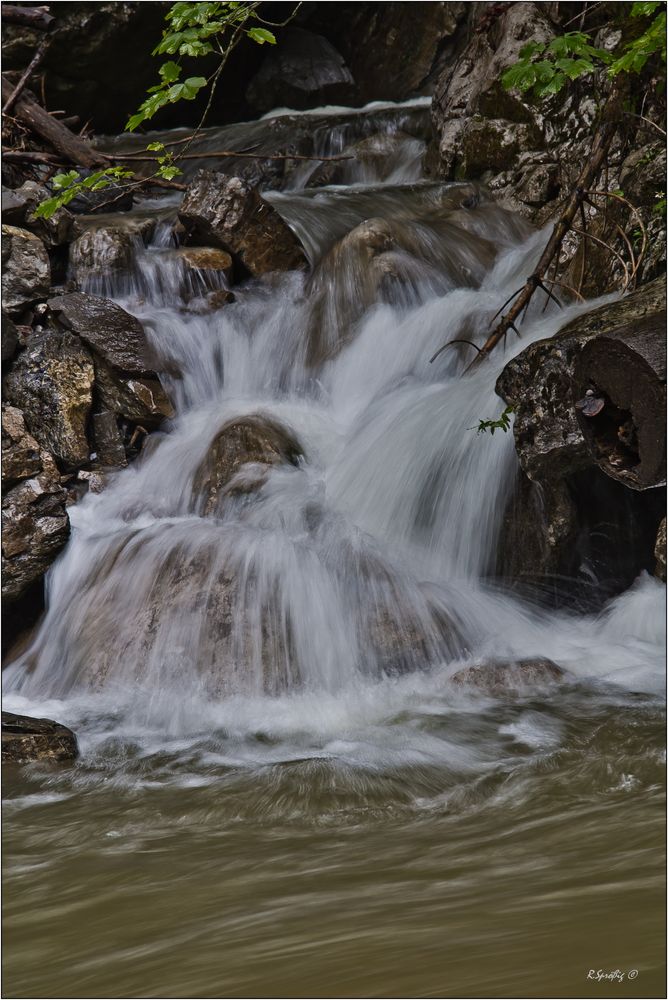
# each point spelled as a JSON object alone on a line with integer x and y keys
{"x": 26, "y": 272}
{"x": 225, "y": 212}
{"x": 51, "y": 381}
{"x": 35, "y": 525}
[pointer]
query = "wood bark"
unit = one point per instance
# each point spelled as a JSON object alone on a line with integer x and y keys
{"x": 626, "y": 368}
{"x": 75, "y": 149}
{"x": 27, "y": 17}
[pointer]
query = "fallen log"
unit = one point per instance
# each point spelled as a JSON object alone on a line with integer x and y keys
{"x": 75, "y": 149}
{"x": 620, "y": 383}
{"x": 27, "y": 17}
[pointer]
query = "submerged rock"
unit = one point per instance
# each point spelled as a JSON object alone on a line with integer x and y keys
{"x": 226, "y": 212}
{"x": 256, "y": 441}
{"x": 25, "y": 740}
{"x": 35, "y": 525}
{"x": 26, "y": 272}
{"x": 51, "y": 381}
{"x": 501, "y": 677}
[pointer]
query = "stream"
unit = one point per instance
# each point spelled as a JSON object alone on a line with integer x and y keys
{"x": 283, "y": 790}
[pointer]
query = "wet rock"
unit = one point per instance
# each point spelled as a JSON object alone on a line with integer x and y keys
{"x": 304, "y": 71}
{"x": 20, "y": 451}
{"x": 206, "y": 259}
{"x": 25, "y": 740}
{"x": 141, "y": 400}
{"x": 540, "y": 382}
{"x": 507, "y": 677}
{"x": 35, "y": 525}
{"x": 26, "y": 272}
{"x": 108, "y": 440}
{"x": 226, "y": 212}
{"x": 112, "y": 333}
{"x": 10, "y": 338}
{"x": 100, "y": 253}
{"x": 257, "y": 440}
{"x": 660, "y": 552}
{"x": 51, "y": 381}
{"x": 207, "y": 272}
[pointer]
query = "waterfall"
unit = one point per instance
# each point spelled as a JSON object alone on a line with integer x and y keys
{"x": 366, "y": 557}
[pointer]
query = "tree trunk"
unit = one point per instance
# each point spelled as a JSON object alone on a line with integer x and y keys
{"x": 625, "y": 370}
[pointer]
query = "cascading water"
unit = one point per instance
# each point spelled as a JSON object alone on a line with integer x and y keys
{"x": 312, "y": 620}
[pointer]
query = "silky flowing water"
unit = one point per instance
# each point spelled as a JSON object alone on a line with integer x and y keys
{"x": 281, "y": 790}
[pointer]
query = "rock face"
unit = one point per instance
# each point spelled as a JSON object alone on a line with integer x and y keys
{"x": 255, "y": 441}
{"x": 394, "y": 50}
{"x": 26, "y": 272}
{"x": 52, "y": 382}
{"x": 25, "y": 740}
{"x": 35, "y": 525}
{"x": 304, "y": 71}
{"x": 481, "y": 128}
{"x": 226, "y": 212}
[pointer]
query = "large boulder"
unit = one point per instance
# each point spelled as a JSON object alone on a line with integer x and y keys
{"x": 256, "y": 442}
{"x": 35, "y": 525}
{"x": 573, "y": 516}
{"x": 26, "y": 272}
{"x": 51, "y": 381}
{"x": 125, "y": 364}
{"x": 541, "y": 384}
{"x": 111, "y": 332}
{"x": 25, "y": 739}
{"x": 303, "y": 71}
{"x": 225, "y": 212}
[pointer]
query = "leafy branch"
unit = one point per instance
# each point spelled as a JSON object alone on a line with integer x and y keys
{"x": 502, "y": 423}
{"x": 544, "y": 69}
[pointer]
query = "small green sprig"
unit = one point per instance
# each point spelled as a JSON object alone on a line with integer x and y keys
{"x": 502, "y": 423}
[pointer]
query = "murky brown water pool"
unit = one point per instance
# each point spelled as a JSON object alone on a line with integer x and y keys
{"x": 179, "y": 871}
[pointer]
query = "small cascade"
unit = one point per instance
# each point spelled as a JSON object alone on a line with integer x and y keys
{"x": 321, "y": 513}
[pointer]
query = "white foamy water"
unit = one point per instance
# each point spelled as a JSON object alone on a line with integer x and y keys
{"x": 347, "y": 589}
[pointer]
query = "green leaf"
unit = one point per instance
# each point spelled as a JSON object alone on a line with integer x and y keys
{"x": 170, "y": 72}
{"x": 168, "y": 172}
{"x": 261, "y": 35}
{"x": 155, "y": 147}
{"x": 61, "y": 181}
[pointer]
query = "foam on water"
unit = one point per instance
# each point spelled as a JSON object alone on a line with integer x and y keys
{"x": 329, "y": 610}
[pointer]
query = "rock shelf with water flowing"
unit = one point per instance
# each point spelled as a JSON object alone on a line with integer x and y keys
{"x": 318, "y": 517}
